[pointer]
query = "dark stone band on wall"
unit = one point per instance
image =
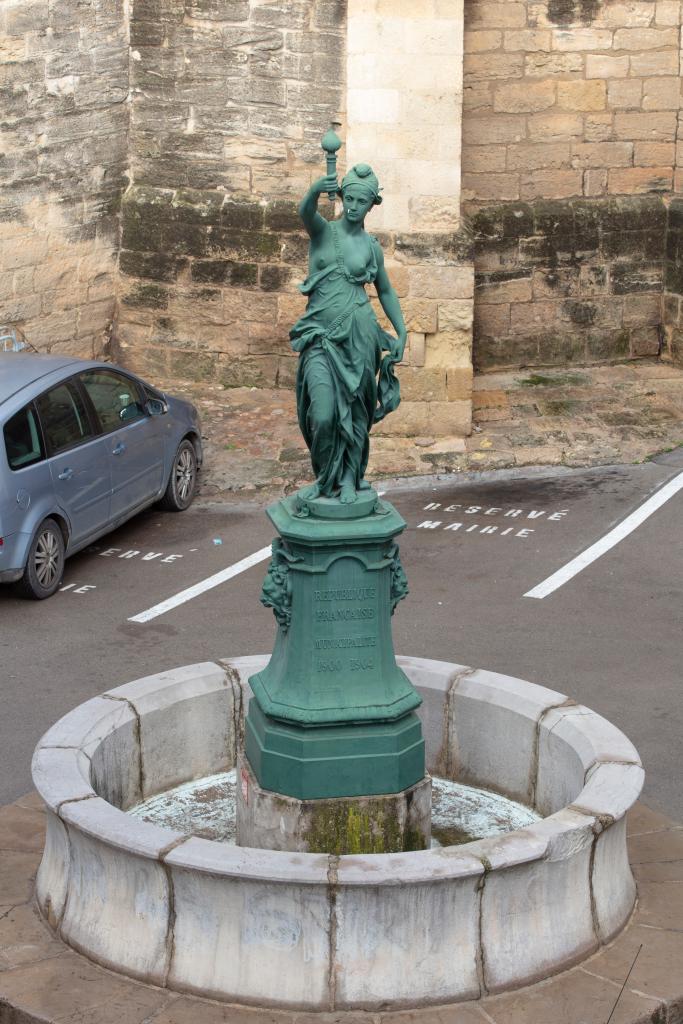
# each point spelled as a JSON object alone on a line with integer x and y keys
{"x": 568, "y": 281}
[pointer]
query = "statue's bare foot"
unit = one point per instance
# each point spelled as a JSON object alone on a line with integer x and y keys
{"x": 348, "y": 494}
{"x": 310, "y": 492}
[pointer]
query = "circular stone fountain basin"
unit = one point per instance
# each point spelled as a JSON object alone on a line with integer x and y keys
{"x": 320, "y": 931}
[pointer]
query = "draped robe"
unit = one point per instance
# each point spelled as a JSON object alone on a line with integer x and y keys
{"x": 341, "y": 346}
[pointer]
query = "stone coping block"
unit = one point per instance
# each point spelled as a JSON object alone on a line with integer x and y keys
{"x": 61, "y": 775}
{"x": 243, "y": 863}
{"x": 485, "y": 917}
{"x": 184, "y": 731}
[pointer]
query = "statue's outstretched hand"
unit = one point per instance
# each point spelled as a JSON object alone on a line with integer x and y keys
{"x": 325, "y": 185}
{"x": 398, "y": 346}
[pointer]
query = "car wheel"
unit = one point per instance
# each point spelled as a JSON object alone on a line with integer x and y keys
{"x": 182, "y": 482}
{"x": 45, "y": 563}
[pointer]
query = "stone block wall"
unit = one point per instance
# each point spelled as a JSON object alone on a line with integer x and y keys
{"x": 570, "y": 98}
{"x": 434, "y": 278}
{"x": 230, "y": 100}
{"x": 63, "y": 159}
{"x": 208, "y": 286}
{"x": 672, "y": 306}
{"x": 569, "y": 104}
{"x": 213, "y": 111}
{"x": 229, "y": 97}
{"x": 404, "y": 79}
{"x": 568, "y": 281}
{"x": 230, "y": 94}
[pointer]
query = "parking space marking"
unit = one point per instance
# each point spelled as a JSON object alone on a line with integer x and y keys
{"x": 610, "y": 540}
{"x": 200, "y": 588}
{"x": 149, "y": 556}
{"x": 77, "y": 588}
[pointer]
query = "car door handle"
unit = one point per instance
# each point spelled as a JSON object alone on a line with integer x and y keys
{"x": 120, "y": 449}
{"x": 66, "y": 474}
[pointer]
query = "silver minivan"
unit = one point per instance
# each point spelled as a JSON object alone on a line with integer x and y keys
{"x": 84, "y": 445}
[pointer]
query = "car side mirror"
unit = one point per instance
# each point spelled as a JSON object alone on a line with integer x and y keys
{"x": 156, "y": 407}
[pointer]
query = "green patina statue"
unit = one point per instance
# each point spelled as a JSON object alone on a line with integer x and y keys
{"x": 333, "y": 714}
{"x": 343, "y": 348}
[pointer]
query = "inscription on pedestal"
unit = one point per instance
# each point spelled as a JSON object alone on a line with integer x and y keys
{"x": 333, "y": 585}
{"x": 356, "y": 607}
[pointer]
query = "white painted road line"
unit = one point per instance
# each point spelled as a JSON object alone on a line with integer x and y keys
{"x": 204, "y": 585}
{"x": 200, "y": 588}
{"x": 610, "y": 540}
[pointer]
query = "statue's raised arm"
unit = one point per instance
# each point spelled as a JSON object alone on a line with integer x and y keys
{"x": 314, "y": 223}
{"x": 345, "y": 381}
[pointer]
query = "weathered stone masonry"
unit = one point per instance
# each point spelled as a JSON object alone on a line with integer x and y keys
{"x": 562, "y": 281}
{"x": 673, "y": 283}
{"x": 212, "y": 248}
{"x": 228, "y": 99}
{"x": 63, "y": 156}
{"x": 205, "y": 117}
{"x": 571, "y": 150}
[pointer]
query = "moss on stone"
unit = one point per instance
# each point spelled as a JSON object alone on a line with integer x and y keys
{"x": 243, "y": 246}
{"x": 225, "y": 272}
{"x": 273, "y": 278}
{"x": 585, "y": 252}
{"x": 249, "y": 372}
{"x": 675, "y": 214}
{"x": 673, "y": 279}
{"x": 565, "y": 12}
{"x": 561, "y": 348}
{"x": 282, "y": 215}
{"x": 204, "y": 203}
{"x": 141, "y": 227}
{"x": 642, "y": 277}
{"x": 430, "y": 247}
{"x": 561, "y": 407}
{"x": 581, "y": 313}
{"x": 193, "y": 365}
{"x": 151, "y": 296}
{"x": 155, "y": 266}
{"x": 608, "y": 344}
{"x": 242, "y": 215}
{"x": 540, "y": 380}
{"x": 371, "y": 827}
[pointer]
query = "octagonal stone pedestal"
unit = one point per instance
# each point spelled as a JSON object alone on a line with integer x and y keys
{"x": 390, "y": 823}
{"x": 318, "y": 931}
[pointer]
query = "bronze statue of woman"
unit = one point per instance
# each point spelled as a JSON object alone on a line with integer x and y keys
{"x": 340, "y": 342}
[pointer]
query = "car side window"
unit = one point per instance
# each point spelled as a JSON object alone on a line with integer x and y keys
{"x": 117, "y": 399}
{"x": 23, "y": 441}
{"x": 64, "y": 418}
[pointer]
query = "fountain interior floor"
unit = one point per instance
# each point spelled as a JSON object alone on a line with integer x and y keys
{"x": 206, "y": 808}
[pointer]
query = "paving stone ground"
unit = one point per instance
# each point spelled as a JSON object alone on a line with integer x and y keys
{"x": 42, "y": 981}
{"x": 583, "y": 416}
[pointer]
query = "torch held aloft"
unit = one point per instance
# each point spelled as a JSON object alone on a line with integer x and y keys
{"x": 330, "y": 144}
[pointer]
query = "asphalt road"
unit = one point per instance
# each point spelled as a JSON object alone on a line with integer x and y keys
{"x": 610, "y": 637}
